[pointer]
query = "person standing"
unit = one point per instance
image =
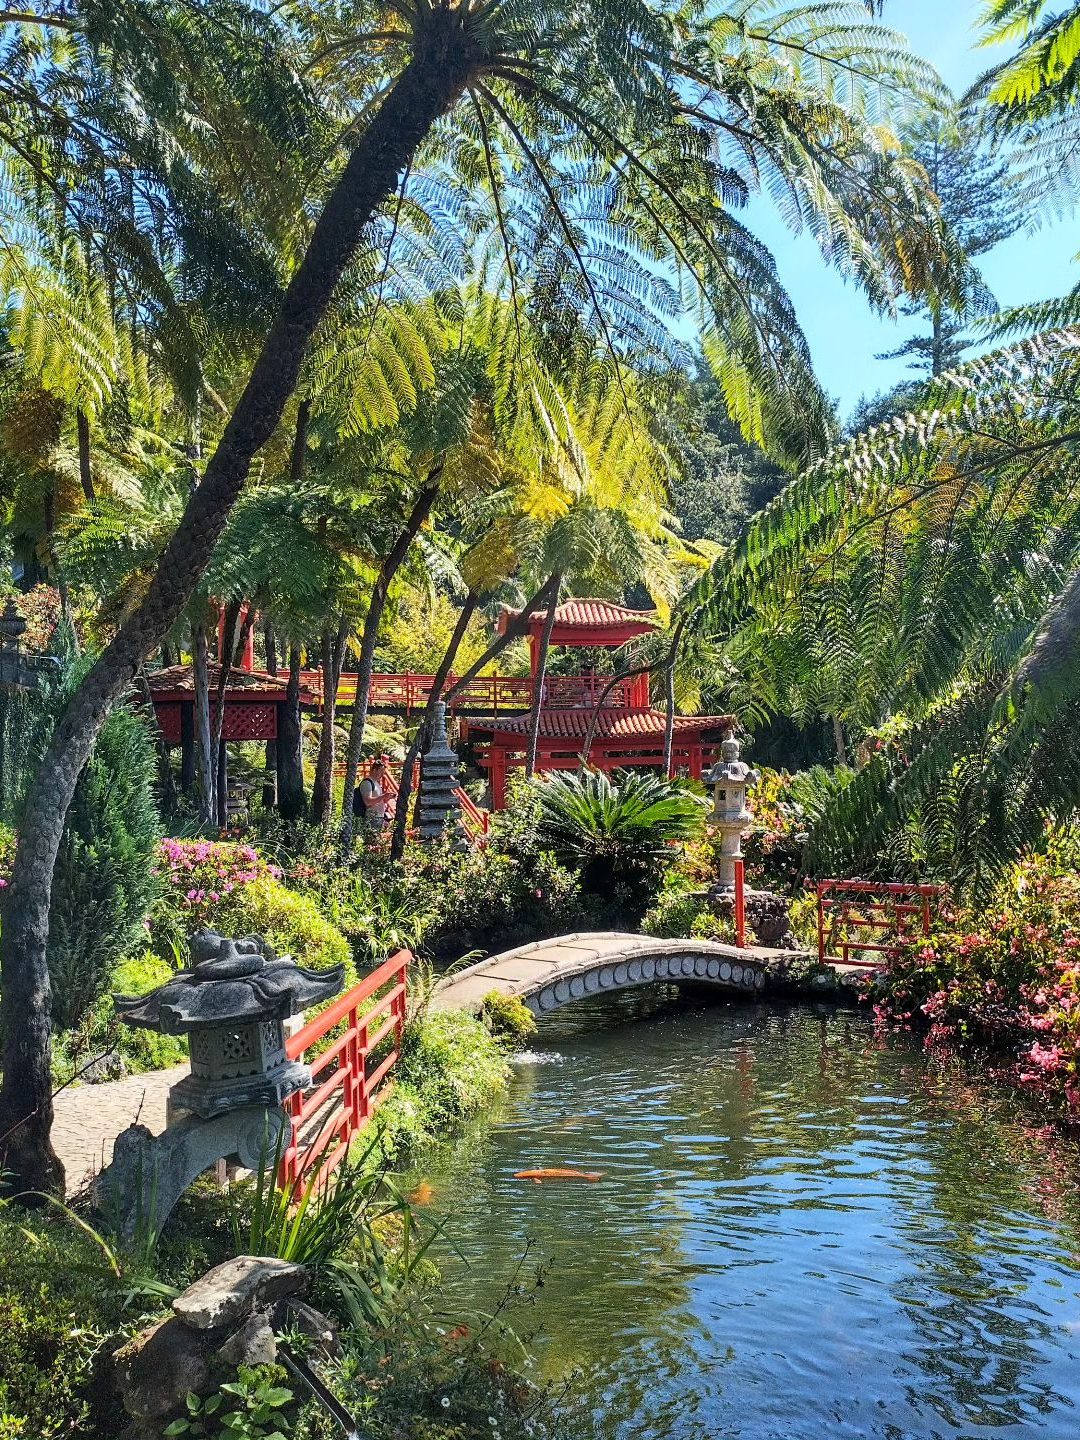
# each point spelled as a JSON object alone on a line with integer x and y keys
{"x": 370, "y": 800}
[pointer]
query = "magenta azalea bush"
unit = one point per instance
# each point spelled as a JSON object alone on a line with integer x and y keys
{"x": 1007, "y": 979}
{"x": 229, "y": 887}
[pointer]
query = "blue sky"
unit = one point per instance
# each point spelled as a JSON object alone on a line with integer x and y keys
{"x": 844, "y": 333}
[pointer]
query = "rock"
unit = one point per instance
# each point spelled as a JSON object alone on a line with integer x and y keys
{"x": 230, "y": 1292}
{"x": 110, "y": 1066}
{"x": 157, "y": 1370}
{"x": 253, "y": 1344}
{"x": 321, "y": 1331}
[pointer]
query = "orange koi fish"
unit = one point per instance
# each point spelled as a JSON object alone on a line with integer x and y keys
{"x": 539, "y": 1176}
{"x": 423, "y": 1194}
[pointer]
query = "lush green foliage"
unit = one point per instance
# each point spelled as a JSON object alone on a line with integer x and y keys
{"x": 105, "y": 881}
{"x": 616, "y": 831}
{"x": 450, "y": 1070}
{"x": 507, "y": 1017}
{"x": 251, "y": 1407}
{"x": 230, "y": 887}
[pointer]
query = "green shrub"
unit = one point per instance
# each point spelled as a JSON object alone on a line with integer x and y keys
{"x": 450, "y": 1070}
{"x": 676, "y": 912}
{"x": 617, "y": 833}
{"x": 105, "y": 881}
{"x": 141, "y": 1049}
{"x": 230, "y": 888}
{"x": 59, "y": 1323}
{"x": 507, "y": 1017}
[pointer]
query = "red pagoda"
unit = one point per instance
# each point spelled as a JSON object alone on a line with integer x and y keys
{"x": 628, "y": 731}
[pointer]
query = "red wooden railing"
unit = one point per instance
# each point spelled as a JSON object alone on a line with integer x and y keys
{"x": 349, "y": 1078}
{"x": 493, "y": 694}
{"x": 740, "y": 904}
{"x": 871, "y": 917}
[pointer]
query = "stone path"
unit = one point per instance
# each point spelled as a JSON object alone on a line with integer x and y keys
{"x": 550, "y": 973}
{"x": 88, "y": 1119}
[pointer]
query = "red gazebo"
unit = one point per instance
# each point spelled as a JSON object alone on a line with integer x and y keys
{"x": 253, "y": 701}
{"x": 628, "y": 731}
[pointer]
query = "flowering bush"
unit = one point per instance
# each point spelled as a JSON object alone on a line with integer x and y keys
{"x": 231, "y": 888}
{"x": 1008, "y": 979}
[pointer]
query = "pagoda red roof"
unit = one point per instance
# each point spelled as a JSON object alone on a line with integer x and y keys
{"x": 611, "y": 724}
{"x": 177, "y": 682}
{"x": 583, "y": 615}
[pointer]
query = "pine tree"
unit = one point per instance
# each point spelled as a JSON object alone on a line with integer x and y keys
{"x": 974, "y": 186}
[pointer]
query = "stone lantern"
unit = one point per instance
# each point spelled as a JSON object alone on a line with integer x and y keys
{"x": 231, "y": 1003}
{"x": 17, "y": 671}
{"x": 730, "y": 778}
{"x": 440, "y": 809}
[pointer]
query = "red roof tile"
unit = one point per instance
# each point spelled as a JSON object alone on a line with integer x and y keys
{"x": 611, "y": 724}
{"x": 588, "y": 614}
{"x": 179, "y": 679}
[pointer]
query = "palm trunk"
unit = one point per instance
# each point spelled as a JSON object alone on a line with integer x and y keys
{"x": 438, "y": 71}
{"x": 290, "y": 754}
{"x": 369, "y": 639}
{"x": 204, "y": 745}
{"x": 839, "y": 741}
{"x": 423, "y": 729}
{"x": 230, "y": 632}
{"x": 537, "y": 706}
{"x": 669, "y": 693}
{"x": 269, "y": 794}
{"x": 86, "y": 478}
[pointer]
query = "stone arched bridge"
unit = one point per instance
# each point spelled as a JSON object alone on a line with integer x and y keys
{"x": 551, "y": 973}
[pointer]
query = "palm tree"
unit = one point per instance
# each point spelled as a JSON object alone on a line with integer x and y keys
{"x": 512, "y": 99}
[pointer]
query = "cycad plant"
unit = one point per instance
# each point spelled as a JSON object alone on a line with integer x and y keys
{"x": 616, "y": 832}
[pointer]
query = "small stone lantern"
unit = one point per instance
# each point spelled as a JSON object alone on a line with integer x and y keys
{"x": 231, "y": 1004}
{"x": 17, "y": 671}
{"x": 730, "y": 778}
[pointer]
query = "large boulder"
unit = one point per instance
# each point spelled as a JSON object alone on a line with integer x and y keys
{"x": 231, "y": 1291}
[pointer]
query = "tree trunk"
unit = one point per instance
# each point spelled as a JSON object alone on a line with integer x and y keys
{"x": 423, "y": 729}
{"x": 230, "y": 639}
{"x": 166, "y": 783}
{"x": 670, "y": 662}
{"x": 839, "y": 741}
{"x": 290, "y": 749}
{"x": 204, "y": 743}
{"x": 380, "y": 591}
{"x": 539, "y": 678}
{"x": 442, "y": 63}
{"x": 86, "y": 478}
{"x": 269, "y": 794}
{"x": 322, "y": 794}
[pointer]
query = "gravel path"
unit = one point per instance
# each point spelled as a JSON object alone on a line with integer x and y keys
{"x": 88, "y": 1119}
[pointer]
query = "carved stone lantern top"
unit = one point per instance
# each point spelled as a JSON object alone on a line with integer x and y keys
{"x": 229, "y": 982}
{"x": 729, "y": 769}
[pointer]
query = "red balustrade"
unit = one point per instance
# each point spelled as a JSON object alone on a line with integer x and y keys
{"x": 351, "y": 1077}
{"x": 493, "y": 694}
{"x": 857, "y": 917}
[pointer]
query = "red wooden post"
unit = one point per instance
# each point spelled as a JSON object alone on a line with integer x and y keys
{"x": 821, "y": 922}
{"x": 740, "y": 905}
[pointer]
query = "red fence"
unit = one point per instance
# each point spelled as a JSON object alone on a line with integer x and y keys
{"x": 491, "y": 694}
{"x": 865, "y": 916}
{"x": 350, "y": 1077}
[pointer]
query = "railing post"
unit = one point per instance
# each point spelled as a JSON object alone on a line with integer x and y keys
{"x": 821, "y": 922}
{"x": 740, "y": 904}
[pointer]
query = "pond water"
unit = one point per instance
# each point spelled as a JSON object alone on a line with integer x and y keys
{"x": 800, "y": 1231}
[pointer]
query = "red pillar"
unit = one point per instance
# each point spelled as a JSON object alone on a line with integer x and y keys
{"x": 498, "y": 777}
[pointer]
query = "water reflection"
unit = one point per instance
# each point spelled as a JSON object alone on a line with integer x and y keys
{"x": 799, "y": 1231}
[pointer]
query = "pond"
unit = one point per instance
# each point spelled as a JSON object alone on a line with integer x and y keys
{"x": 801, "y": 1230}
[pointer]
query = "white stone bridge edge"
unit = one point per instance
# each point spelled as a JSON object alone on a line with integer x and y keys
{"x": 644, "y": 970}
